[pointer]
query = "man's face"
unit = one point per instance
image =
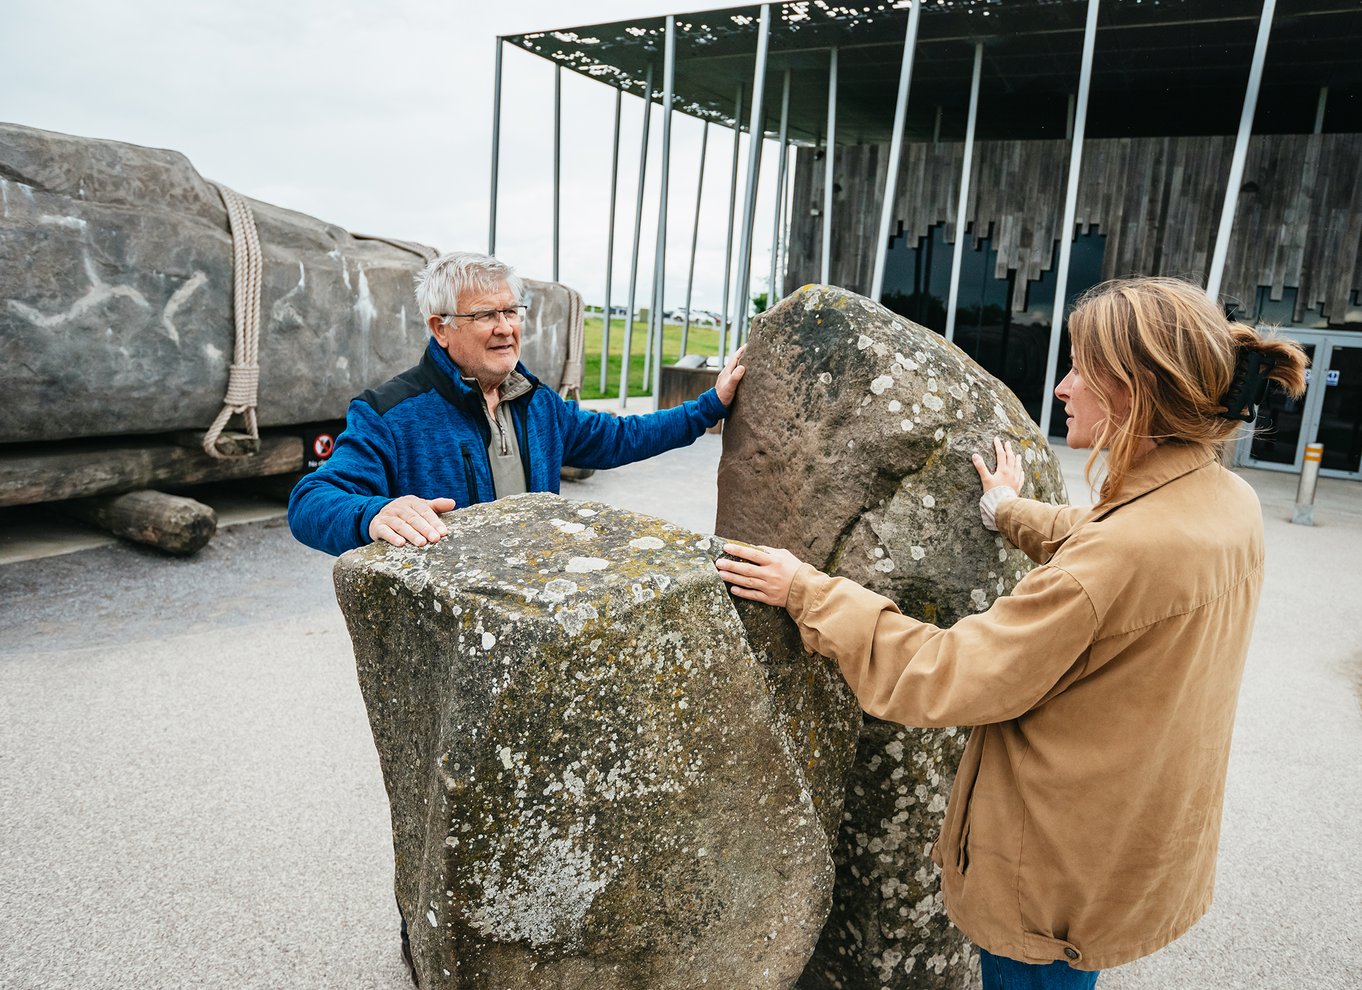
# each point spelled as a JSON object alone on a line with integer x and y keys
{"x": 483, "y": 349}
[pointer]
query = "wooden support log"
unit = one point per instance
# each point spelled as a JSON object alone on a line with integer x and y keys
{"x": 34, "y": 474}
{"x": 172, "y": 523}
{"x": 230, "y": 444}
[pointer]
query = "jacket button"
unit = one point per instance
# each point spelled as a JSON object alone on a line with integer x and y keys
{"x": 1071, "y": 953}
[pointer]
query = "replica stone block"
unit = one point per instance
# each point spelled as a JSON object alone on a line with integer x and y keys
{"x": 116, "y": 298}
{"x": 590, "y": 786}
{"x": 849, "y": 444}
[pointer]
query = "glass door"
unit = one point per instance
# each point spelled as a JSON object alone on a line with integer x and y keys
{"x": 1330, "y": 412}
{"x": 1277, "y": 440}
{"x": 1339, "y": 423}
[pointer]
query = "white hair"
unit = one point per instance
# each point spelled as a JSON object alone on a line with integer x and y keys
{"x": 441, "y": 282}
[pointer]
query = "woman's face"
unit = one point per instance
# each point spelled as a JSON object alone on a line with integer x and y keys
{"x": 1084, "y": 410}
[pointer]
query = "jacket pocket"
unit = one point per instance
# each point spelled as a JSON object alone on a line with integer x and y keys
{"x": 955, "y": 830}
{"x": 470, "y": 476}
{"x": 962, "y": 849}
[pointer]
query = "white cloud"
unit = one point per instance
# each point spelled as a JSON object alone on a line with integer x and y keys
{"x": 377, "y": 117}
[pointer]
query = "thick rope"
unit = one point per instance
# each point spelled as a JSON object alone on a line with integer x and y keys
{"x": 243, "y": 378}
{"x": 420, "y": 250}
{"x": 573, "y": 366}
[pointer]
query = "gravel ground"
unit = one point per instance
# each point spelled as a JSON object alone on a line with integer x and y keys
{"x": 189, "y": 794}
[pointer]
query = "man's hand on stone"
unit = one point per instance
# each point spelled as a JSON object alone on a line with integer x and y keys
{"x": 411, "y": 520}
{"x": 760, "y": 573}
{"x": 727, "y": 385}
{"x": 1009, "y": 471}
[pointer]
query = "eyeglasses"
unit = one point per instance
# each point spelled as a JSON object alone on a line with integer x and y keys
{"x": 486, "y": 319}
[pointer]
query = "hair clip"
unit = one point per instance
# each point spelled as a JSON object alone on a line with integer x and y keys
{"x": 1249, "y": 387}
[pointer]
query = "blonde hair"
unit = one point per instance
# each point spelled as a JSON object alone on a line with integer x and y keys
{"x": 1170, "y": 349}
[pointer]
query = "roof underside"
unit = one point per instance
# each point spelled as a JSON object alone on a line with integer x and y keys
{"x": 1154, "y": 59}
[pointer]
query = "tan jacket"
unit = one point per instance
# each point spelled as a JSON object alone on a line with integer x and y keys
{"x": 1085, "y": 815}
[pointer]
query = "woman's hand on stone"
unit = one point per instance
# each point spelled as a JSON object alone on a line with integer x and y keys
{"x": 760, "y": 573}
{"x": 1008, "y": 471}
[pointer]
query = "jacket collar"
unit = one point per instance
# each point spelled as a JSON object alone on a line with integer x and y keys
{"x": 457, "y": 390}
{"x": 1166, "y": 462}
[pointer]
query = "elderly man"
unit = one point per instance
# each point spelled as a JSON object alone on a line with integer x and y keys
{"x": 470, "y": 423}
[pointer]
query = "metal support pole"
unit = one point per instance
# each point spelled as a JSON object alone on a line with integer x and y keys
{"x": 754, "y": 143}
{"x": 1320, "y": 108}
{"x": 1066, "y": 228}
{"x": 963, "y": 202}
{"x": 660, "y": 259}
{"x": 557, "y": 158}
{"x": 496, "y": 154}
{"x": 829, "y": 154}
{"x": 787, "y": 215}
{"x": 638, "y": 234}
{"x": 1304, "y": 513}
{"x": 610, "y": 241}
{"x": 1236, "y": 178}
{"x": 771, "y": 294}
{"x": 695, "y": 236}
{"x": 728, "y": 238}
{"x": 891, "y": 175}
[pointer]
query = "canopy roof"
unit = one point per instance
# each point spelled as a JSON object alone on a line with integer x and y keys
{"x": 1160, "y": 66}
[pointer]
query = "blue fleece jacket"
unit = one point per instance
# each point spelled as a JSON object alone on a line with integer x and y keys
{"x": 426, "y": 433}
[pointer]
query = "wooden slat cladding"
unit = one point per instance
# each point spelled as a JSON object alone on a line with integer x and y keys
{"x": 1299, "y": 222}
{"x": 1156, "y": 200}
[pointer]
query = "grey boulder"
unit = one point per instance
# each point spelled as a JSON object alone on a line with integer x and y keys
{"x": 590, "y": 785}
{"x": 850, "y": 444}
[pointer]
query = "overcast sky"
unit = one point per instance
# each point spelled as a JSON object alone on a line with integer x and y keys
{"x": 377, "y": 116}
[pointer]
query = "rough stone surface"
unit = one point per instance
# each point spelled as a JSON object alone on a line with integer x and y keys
{"x": 590, "y": 786}
{"x": 850, "y": 445}
{"x": 116, "y": 289}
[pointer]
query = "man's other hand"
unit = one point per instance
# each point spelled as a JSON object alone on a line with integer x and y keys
{"x": 411, "y": 520}
{"x": 727, "y": 385}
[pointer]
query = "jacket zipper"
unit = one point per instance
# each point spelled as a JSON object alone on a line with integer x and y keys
{"x": 470, "y": 479}
{"x": 501, "y": 433}
{"x": 522, "y": 429}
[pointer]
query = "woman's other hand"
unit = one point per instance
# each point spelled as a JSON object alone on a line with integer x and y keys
{"x": 759, "y": 573}
{"x": 1008, "y": 472}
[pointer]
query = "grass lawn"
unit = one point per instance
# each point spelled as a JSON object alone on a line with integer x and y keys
{"x": 701, "y": 340}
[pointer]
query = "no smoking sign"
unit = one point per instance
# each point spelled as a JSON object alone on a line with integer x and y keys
{"x": 319, "y": 442}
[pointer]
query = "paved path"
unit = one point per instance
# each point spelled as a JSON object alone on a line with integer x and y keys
{"x": 189, "y": 795}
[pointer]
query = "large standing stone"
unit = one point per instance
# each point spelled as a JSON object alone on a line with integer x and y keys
{"x": 590, "y": 786}
{"x": 850, "y": 445}
{"x": 116, "y": 298}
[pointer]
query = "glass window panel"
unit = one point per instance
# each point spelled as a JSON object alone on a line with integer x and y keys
{"x": 1340, "y": 425}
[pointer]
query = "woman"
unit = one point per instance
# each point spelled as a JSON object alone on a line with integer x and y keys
{"x": 1082, "y": 828}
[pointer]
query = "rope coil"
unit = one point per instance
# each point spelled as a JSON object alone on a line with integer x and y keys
{"x": 570, "y": 387}
{"x": 243, "y": 377}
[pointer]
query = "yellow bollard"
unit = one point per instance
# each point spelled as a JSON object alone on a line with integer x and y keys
{"x": 1305, "y": 493}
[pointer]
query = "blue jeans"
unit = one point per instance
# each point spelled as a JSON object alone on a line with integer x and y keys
{"x": 1002, "y": 973}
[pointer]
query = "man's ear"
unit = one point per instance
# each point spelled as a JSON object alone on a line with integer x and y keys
{"x": 439, "y": 330}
